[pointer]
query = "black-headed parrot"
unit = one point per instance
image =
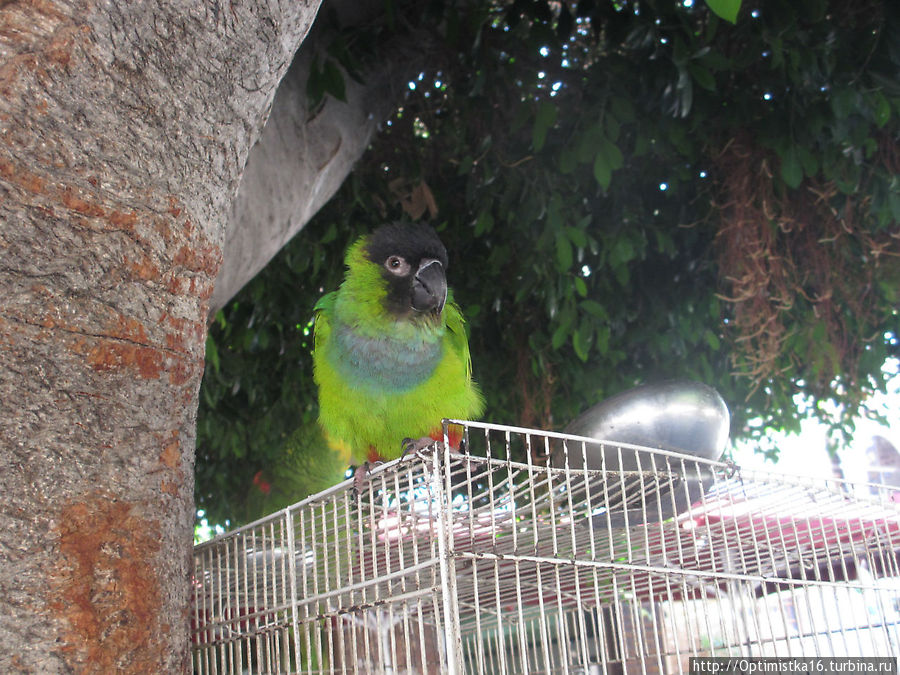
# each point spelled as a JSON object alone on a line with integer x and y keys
{"x": 391, "y": 358}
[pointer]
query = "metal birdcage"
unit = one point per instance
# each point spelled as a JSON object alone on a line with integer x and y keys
{"x": 497, "y": 561}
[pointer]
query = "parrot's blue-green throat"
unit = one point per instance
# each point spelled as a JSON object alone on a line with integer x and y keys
{"x": 385, "y": 361}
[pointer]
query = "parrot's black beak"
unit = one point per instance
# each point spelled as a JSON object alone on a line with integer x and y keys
{"x": 429, "y": 289}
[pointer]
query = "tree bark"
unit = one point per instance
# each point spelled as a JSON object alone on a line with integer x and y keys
{"x": 124, "y": 129}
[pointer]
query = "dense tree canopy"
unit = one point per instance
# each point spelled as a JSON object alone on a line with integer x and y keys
{"x": 629, "y": 192}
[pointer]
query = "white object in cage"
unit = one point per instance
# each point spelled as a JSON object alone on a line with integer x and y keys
{"x": 478, "y": 563}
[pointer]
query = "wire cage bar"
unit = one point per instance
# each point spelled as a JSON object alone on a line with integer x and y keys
{"x": 496, "y": 560}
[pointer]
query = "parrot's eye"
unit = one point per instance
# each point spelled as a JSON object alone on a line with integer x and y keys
{"x": 397, "y": 265}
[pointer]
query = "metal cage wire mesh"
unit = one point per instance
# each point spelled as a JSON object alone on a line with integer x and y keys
{"x": 472, "y": 562}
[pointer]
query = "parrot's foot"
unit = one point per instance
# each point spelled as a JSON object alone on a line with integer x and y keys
{"x": 416, "y": 445}
{"x": 361, "y": 477}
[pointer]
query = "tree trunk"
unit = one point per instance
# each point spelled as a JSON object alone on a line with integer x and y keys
{"x": 124, "y": 129}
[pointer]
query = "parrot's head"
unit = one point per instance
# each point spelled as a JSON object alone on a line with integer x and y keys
{"x": 411, "y": 264}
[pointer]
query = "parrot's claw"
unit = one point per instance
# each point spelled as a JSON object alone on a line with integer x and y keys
{"x": 416, "y": 445}
{"x": 360, "y": 478}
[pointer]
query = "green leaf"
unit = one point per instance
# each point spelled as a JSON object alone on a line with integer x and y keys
{"x": 702, "y": 76}
{"x": 623, "y": 276}
{"x": 843, "y": 102}
{"x": 612, "y": 128}
{"x": 561, "y": 333}
{"x": 554, "y": 215}
{"x": 622, "y": 251}
{"x": 726, "y": 9}
{"x": 333, "y": 81}
{"x": 484, "y": 223}
{"x": 581, "y": 287}
{"x": 588, "y": 142}
{"x": 581, "y": 341}
{"x": 641, "y": 145}
{"x": 315, "y": 86}
{"x": 808, "y": 161}
{"x": 567, "y": 161}
{"x": 882, "y": 110}
{"x": 603, "y": 339}
{"x": 791, "y": 169}
{"x": 330, "y": 234}
{"x": 212, "y": 354}
{"x": 559, "y": 336}
{"x": 339, "y": 50}
{"x": 602, "y": 170}
{"x": 894, "y": 203}
{"x": 665, "y": 243}
{"x": 613, "y": 154}
{"x": 594, "y": 308}
{"x": 545, "y": 118}
{"x": 563, "y": 252}
{"x": 576, "y": 236}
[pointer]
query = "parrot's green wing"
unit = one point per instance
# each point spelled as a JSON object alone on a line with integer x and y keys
{"x": 325, "y": 303}
{"x": 323, "y": 309}
{"x": 457, "y": 337}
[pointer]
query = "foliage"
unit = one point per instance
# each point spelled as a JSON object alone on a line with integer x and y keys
{"x": 258, "y": 388}
{"x": 629, "y": 192}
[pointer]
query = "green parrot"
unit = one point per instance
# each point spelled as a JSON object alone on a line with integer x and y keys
{"x": 391, "y": 359}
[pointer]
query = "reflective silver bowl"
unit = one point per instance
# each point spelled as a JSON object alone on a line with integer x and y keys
{"x": 685, "y": 417}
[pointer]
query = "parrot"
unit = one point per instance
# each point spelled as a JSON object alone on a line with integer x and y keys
{"x": 390, "y": 361}
{"x": 391, "y": 356}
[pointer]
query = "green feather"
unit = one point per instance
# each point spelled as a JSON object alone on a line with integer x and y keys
{"x": 307, "y": 465}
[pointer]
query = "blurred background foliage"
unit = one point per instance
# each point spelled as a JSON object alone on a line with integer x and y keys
{"x": 629, "y": 192}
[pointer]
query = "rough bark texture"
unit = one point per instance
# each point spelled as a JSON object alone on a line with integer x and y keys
{"x": 124, "y": 128}
{"x": 303, "y": 156}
